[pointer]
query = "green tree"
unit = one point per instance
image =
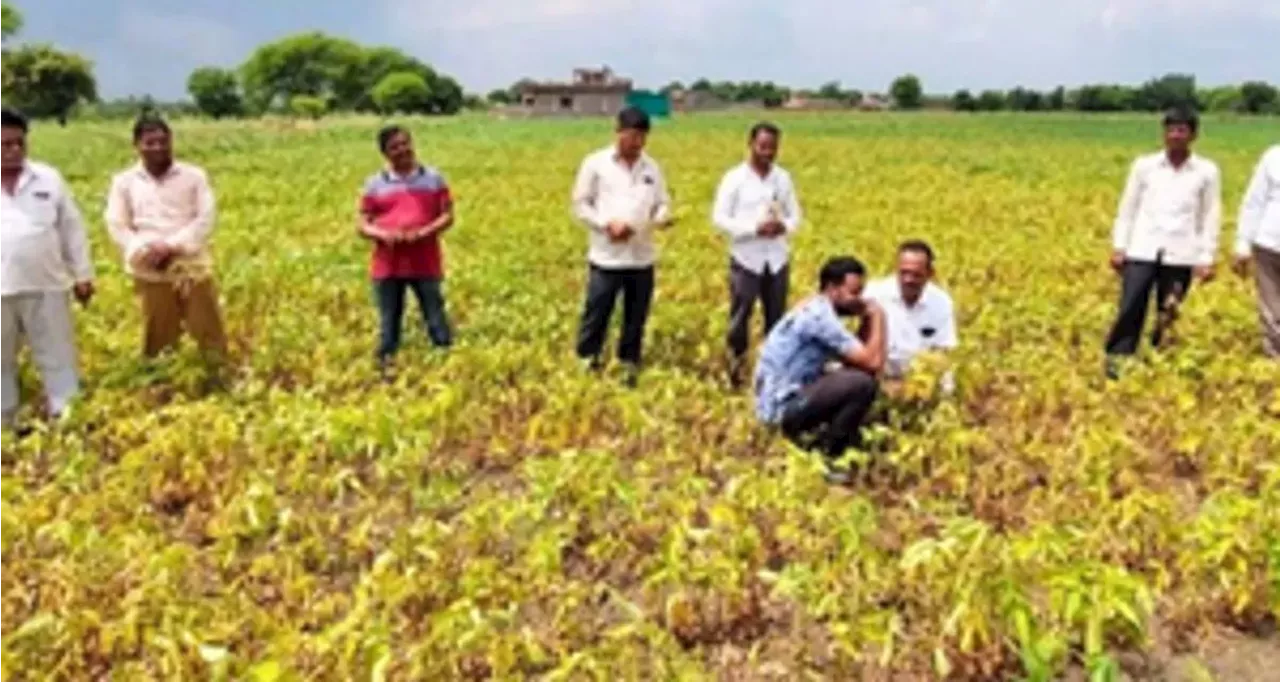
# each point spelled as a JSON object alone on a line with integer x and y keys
{"x": 447, "y": 96}
{"x": 1170, "y": 90}
{"x": 963, "y": 101}
{"x": 906, "y": 91}
{"x": 991, "y": 100}
{"x": 215, "y": 91}
{"x": 402, "y": 92}
{"x": 1056, "y": 100}
{"x": 313, "y": 64}
{"x": 10, "y": 21}
{"x": 1259, "y": 98}
{"x": 500, "y": 96}
{"x": 308, "y": 106}
{"x": 1023, "y": 99}
{"x": 45, "y": 81}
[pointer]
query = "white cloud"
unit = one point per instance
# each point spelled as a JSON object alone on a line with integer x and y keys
{"x": 203, "y": 39}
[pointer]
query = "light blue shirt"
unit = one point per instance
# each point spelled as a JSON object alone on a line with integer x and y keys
{"x": 794, "y": 354}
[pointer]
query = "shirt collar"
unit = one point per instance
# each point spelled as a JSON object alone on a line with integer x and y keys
{"x": 389, "y": 174}
{"x": 141, "y": 170}
{"x": 751, "y": 171}
{"x": 1191, "y": 162}
{"x": 616, "y": 157}
{"x": 28, "y": 175}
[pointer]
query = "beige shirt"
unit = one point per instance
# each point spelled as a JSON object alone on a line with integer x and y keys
{"x": 176, "y": 209}
{"x": 606, "y": 189}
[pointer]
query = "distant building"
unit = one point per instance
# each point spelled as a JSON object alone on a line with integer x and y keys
{"x": 592, "y": 92}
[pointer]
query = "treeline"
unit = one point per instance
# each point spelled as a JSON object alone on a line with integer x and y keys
{"x": 311, "y": 74}
{"x": 39, "y": 78}
{"x": 1254, "y": 97}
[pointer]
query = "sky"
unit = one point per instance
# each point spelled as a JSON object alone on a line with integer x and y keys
{"x": 150, "y": 46}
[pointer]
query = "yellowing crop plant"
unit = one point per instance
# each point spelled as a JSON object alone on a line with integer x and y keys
{"x": 494, "y": 512}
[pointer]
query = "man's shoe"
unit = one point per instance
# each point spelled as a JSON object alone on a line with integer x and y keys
{"x": 1112, "y": 368}
{"x": 630, "y": 374}
{"x": 737, "y": 367}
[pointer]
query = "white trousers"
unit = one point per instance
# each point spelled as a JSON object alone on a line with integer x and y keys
{"x": 42, "y": 319}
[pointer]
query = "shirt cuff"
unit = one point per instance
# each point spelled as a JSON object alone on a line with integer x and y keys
{"x": 1244, "y": 248}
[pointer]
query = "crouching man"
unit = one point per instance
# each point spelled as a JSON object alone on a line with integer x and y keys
{"x": 791, "y": 389}
{"x": 919, "y": 314}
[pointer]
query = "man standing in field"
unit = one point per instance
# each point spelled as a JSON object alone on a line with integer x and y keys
{"x": 161, "y": 213}
{"x": 756, "y": 206}
{"x": 920, "y": 315}
{"x": 45, "y": 252}
{"x": 1258, "y": 239}
{"x": 404, "y": 209}
{"x": 621, "y": 197}
{"x": 793, "y": 392}
{"x": 1165, "y": 233}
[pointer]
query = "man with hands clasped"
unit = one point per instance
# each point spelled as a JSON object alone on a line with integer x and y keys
{"x": 620, "y": 195}
{"x": 756, "y": 206}
{"x": 404, "y": 208}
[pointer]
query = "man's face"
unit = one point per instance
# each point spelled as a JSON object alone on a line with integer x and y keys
{"x": 155, "y": 147}
{"x": 764, "y": 149}
{"x": 399, "y": 150}
{"x": 15, "y": 147}
{"x": 1178, "y": 137}
{"x": 631, "y": 142}
{"x": 913, "y": 273}
{"x": 847, "y": 297}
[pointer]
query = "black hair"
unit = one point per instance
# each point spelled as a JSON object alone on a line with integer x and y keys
{"x": 385, "y": 135}
{"x": 837, "y": 269}
{"x": 12, "y": 118}
{"x": 918, "y": 246}
{"x": 633, "y": 118}
{"x": 147, "y": 123}
{"x": 763, "y": 127}
{"x": 1182, "y": 115}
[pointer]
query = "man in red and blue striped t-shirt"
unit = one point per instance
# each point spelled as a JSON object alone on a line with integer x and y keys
{"x": 403, "y": 209}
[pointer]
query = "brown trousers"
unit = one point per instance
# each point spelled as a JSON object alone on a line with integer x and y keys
{"x": 167, "y": 308}
{"x": 1267, "y": 273}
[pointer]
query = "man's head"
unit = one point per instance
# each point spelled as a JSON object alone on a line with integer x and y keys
{"x": 14, "y": 128}
{"x": 763, "y": 140}
{"x": 841, "y": 280}
{"x": 915, "y": 268}
{"x": 396, "y": 145}
{"x": 1181, "y": 125}
{"x": 633, "y": 130}
{"x": 154, "y": 141}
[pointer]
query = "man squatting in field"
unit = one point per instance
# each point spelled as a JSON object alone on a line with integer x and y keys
{"x": 46, "y": 253}
{"x": 919, "y": 314}
{"x": 792, "y": 390}
{"x": 404, "y": 209}
{"x": 161, "y": 213}
{"x": 620, "y": 195}
{"x": 756, "y": 206}
{"x": 1258, "y": 240}
{"x": 1165, "y": 232}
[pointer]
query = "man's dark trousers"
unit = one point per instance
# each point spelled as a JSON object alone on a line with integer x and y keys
{"x": 603, "y": 287}
{"x": 745, "y": 288}
{"x": 838, "y": 400}
{"x": 1138, "y": 279}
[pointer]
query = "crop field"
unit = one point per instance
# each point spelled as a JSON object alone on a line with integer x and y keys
{"x": 496, "y": 513}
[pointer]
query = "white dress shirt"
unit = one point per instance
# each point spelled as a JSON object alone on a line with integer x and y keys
{"x": 177, "y": 209}
{"x": 1171, "y": 213}
{"x": 45, "y": 246}
{"x": 1259, "y": 221}
{"x": 927, "y": 325}
{"x": 744, "y": 200}
{"x": 606, "y": 190}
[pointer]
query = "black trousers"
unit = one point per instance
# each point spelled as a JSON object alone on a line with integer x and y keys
{"x": 838, "y": 401}
{"x": 745, "y": 288}
{"x": 603, "y": 287}
{"x": 1138, "y": 279}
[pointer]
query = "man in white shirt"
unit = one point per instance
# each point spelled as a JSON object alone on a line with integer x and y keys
{"x": 756, "y": 207}
{"x": 45, "y": 253}
{"x": 919, "y": 315}
{"x": 1258, "y": 239}
{"x": 621, "y": 197}
{"x": 1166, "y": 232}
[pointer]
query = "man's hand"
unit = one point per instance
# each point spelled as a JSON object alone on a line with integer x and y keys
{"x": 771, "y": 228}
{"x": 1241, "y": 264}
{"x": 158, "y": 255}
{"x": 1117, "y": 261}
{"x": 83, "y": 292}
{"x": 1203, "y": 273}
{"x": 619, "y": 231}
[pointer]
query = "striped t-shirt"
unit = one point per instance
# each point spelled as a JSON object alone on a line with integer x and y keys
{"x": 404, "y": 203}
